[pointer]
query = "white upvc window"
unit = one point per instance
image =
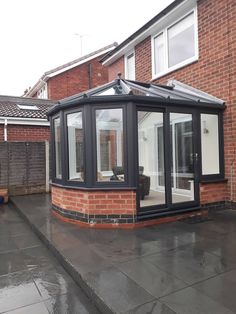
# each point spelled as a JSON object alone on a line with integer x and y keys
{"x": 130, "y": 66}
{"x": 43, "y": 92}
{"x": 175, "y": 46}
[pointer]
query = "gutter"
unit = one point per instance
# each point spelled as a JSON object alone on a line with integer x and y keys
{"x": 23, "y": 121}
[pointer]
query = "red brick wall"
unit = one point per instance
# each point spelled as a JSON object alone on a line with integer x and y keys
{"x": 95, "y": 202}
{"x": 213, "y": 73}
{"x": 117, "y": 67}
{"x": 76, "y": 80}
{"x": 210, "y": 193}
{"x": 25, "y": 133}
{"x": 143, "y": 61}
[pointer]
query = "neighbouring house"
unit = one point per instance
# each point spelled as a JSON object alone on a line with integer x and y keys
{"x": 73, "y": 77}
{"x": 163, "y": 145}
{"x": 24, "y": 119}
{"x": 24, "y": 145}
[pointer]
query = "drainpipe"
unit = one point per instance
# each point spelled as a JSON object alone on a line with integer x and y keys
{"x": 5, "y": 130}
{"x": 90, "y": 75}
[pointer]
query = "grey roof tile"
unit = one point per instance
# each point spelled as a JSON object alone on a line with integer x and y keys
{"x": 9, "y": 107}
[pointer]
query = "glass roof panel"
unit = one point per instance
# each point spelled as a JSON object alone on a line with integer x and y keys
{"x": 114, "y": 90}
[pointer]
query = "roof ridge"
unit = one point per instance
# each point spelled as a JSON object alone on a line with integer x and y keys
{"x": 65, "y": 65}
{"x": 26, "y": 99}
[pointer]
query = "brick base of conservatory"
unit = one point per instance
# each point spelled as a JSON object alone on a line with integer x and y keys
{"x": 105, "y": 209}
{"x": 93, "y": 207}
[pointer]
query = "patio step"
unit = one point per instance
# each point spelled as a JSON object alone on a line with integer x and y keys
{"x": 78, "y": 278}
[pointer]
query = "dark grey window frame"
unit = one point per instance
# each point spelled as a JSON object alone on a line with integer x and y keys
{"x": 108, "y": 106}
{"x": 221, "y": 175}
{"x": 53, "y": 148}
{"x": 66, "y": 148}
{"x": 130, "y": 104}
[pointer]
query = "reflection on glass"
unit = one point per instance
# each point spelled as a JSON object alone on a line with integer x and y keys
{"x": 181, "y": 43}
{"x": 210, "y": 144}
{"x": 151, "y": 158}
{"x": 57, "y": 142}
{"x": 182, "y": 168}
{"x": 75, "y": 146}
{"x": 109, "y": 133}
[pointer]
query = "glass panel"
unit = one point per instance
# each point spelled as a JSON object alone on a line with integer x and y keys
{"x": 109, "y": 132}
{"x": 57, "y": 138}
{"x": 159, "y": 53}
{"x": 115, "y": 90}
{"x": 75, "y": 146}
{"x": 181, "y": 42}
{"x": 151, "y": 158}
{"x": 210, "y": 144}
{"x": 130, "y": 67}
{"x": 182, "y": 168}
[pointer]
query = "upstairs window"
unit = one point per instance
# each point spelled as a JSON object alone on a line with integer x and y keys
{"x": 43, "y": 93}
{"x": 130, "y": 66}
{"x": 175, "y": 46}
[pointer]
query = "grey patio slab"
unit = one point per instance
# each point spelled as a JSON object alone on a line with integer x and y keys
{"x": 37, "y": 257}
{"x": 14, "y": 228}
{"x": 190, "y": 264}
{"x": 25, "y": 241}
{"x": 221, "y": 288}
{"x": 191, "y": 301}
{"x": 11, "y": 262}
{"x": 85, "y": 260}
{"x": 119, "y": 292}
{"x": 128, "y": 269}
{"x": 156, "y": 281}
{"x": 223, "y": 247}
{"x": 70, "y": 304}
{"x": 7, "y": 244}
{"x": 17, "y": 290}
{"x": 37, "y": 308}
{"x": 154, "y": 307}
{"x": 52, "y": 281}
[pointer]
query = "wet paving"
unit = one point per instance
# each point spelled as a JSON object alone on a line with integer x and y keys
{"x": 181, "y": 267}
{"x": 31, "y": 279}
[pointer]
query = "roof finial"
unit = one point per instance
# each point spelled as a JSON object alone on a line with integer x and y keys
{"x": 119, "y": 75}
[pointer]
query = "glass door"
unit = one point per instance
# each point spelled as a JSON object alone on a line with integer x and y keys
{"x": 167, "y": 161}
{"x": 182, "y": 158}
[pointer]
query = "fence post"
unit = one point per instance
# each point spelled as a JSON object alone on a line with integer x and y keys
{"x": 47, "y": 165}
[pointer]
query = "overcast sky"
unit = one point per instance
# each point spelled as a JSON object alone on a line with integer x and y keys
{"x": 37, "y": 36}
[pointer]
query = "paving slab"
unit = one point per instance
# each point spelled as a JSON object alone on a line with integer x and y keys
{"x": 163, "y": 269}
{"x": 31, "y": 278}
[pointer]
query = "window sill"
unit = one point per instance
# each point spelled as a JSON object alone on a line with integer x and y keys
{"x": 219, "y": 180}
{"x": 107, "y": 188}
{"x": 175, "y": 68}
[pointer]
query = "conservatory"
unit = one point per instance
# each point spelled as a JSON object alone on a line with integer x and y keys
{"x": 129, "y": 152}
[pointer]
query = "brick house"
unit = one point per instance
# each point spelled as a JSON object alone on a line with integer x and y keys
{"x": 24, "y": 119}
{"x": 24, "y": 145}
{"x": 194, "y": 42}
{"x": 73, "y": 77}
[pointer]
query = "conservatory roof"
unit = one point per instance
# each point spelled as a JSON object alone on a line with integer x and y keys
{"x": 174, "y": 92}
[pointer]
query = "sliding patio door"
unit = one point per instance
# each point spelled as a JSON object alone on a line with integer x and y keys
{"x": 167, "y": 160}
